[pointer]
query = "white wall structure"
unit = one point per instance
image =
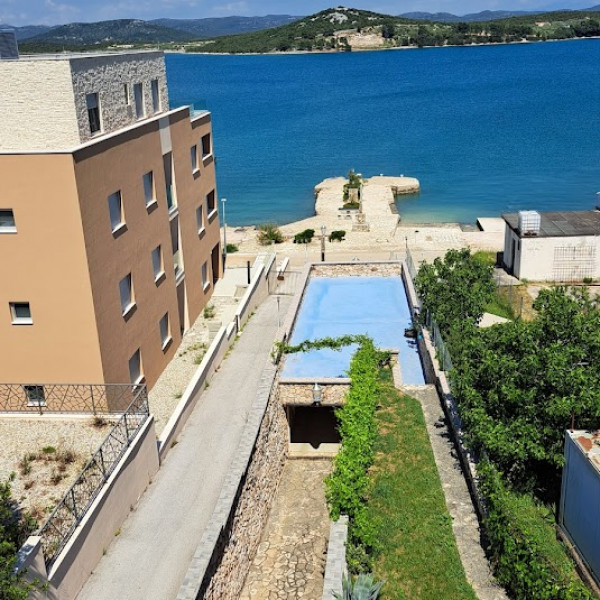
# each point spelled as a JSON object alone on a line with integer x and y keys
{"x": 579, "y": 515}
{"x": 44, "y": 97}
{"x": 566, "y": 248}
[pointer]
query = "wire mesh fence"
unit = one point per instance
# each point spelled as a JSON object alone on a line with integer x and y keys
{"x": 69, "y": 512}
{"x": 43, "y": 398}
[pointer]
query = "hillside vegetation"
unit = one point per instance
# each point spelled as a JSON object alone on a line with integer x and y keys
{"x": 344, "y": 29}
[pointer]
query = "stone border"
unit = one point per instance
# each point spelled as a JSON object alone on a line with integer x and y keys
{"x": 336, "y": 568}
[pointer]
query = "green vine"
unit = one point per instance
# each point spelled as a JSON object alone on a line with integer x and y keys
{"x": 321, "y": 343}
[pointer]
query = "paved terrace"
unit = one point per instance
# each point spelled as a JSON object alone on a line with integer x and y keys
{"x": 150, "y": 555}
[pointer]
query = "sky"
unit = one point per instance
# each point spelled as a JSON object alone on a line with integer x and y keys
{"x": 54, "y": 12}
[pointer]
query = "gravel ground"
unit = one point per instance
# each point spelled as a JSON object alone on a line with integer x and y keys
{"x": 40, "y": 482}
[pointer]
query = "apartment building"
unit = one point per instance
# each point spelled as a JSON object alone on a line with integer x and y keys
{"x": 109, "y": 227}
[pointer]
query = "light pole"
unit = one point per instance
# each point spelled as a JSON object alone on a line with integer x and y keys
{"x": 323, "y": 231}
{"x": 223, "y": 200}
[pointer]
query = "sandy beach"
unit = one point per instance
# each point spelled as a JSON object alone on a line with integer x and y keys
{"x": 377, "y": 234}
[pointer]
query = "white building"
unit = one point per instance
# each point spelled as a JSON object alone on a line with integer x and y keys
{"x": 553, "y": 246}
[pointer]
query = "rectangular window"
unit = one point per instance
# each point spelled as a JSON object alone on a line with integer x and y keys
{"x": 135, "y": 367}
{"x": 157, "y": 263}
{"x": 200, "y": 218}
{"x": 149, "y": 194}
{"x": 211, "y": 205}
{"x": 206, "y": 149}
{"x": 7, "y": 221}
{"x": 93, "y": 110}
{"x": 20, "y": 313}
{"x": 138, "y": 95}
{"x": 165, "y": 331}
{"x": 155, "y": 95}
{"x": 205, "y": 281}
{"x": 35, "y": 395}
{"x": 126, "y": 292}
{"x": 194, "y": 158}
{"x": 126, "y": 94}
{"x": 115, "y": 208}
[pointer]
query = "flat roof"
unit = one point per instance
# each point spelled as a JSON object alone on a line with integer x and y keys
{"x": 589, "y": 444}
{"x": 562, "y": 224}
{"x": 80, "y": 55}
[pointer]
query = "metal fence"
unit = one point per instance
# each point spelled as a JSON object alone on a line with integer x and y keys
{"x": 69, "y": 512}
{"x": 443, "y": 354}
{"x": 412, "y": 270}
{"x": 43, "y": 398}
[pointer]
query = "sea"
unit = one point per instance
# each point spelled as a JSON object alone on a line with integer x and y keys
{"x": 486, "y": 130}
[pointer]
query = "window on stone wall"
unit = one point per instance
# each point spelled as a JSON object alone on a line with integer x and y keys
{"x": 93, "y": 109}
{"x": 138, "y": 96}
{"x": 155, "y": 95}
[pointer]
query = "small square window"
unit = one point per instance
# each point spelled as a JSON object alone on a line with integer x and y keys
{"x": 135, "y": 367}
{"x": 205, "y": 280}
{"x": 155, "y": 95}
{"x": 115, "y": 208}
{"x": 93, "y": 110}
{"x": 206, "y": 145}
{"x": 200, "y": 218}
{"x": 194, "y": 157}
{"x": 157, "y": 263}
{"x": 20, "y": 313}
{"x": 7, "y": 221}
{"x": 126, "y": 293}
{"x": 149, "y": 193}
{"x": 165, "y": 331}
{"x": 35, "y": 395}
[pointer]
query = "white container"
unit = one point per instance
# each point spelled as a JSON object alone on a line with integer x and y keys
{"x": 529, "y": 222}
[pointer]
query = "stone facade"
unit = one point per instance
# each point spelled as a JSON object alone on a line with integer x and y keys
{"x": 300, "y": 394}
{"x": 43, "y": 98}
{"x": 107, "y": 76}
{"x": 357, "y": 270}
{"x": 37, "y": 109}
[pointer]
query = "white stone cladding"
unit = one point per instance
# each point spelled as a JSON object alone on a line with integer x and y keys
{"x": 43, "y": 98}
{"x": 37, "y": 108}
{"x": 107, "y": 75}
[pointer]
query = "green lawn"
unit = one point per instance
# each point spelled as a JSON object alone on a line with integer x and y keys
{"x": 418, "y": 557}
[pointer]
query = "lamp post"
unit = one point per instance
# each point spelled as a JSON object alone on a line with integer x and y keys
{"x": 323, "y": 231}
{"x": 317, "y": 394}
{"x": 223, "y": 200}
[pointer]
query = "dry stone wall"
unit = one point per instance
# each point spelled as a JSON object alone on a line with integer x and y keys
{"x": 300, "y": 394}
{"x": 357, "y": 270}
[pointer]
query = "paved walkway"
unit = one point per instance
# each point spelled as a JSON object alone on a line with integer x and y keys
{"x": 149, "y": 558}
{"x": 290, "y": 560}
{"x": 464, "y": 520}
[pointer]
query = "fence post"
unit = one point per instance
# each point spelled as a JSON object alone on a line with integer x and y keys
{"x": 74, "y": 504}
{"x": 92, "y": 398}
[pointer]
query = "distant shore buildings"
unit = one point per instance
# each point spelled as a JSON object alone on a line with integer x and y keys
{"x": 109, "y": 229}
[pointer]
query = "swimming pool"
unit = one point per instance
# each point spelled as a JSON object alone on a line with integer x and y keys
{"x": 335, "y": 306}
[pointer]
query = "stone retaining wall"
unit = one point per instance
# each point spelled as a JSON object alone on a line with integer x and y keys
{"x": 221, "y": 562}
{"x": 373, "y": 269}
{"x": 300, "y": 394}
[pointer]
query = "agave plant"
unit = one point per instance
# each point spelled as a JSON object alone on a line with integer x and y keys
{"x": 363, "y": 588}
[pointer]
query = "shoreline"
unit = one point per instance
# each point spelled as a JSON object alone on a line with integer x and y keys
{"x": 379, "y": 49}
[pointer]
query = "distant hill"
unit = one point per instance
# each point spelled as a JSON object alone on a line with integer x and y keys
{"x": 122, "y": 31}
{"x": 346, "y": 29}
{"x": 27, "y": 31}
{"x": 215, "y": 27}
{"x": 486, "y": 15}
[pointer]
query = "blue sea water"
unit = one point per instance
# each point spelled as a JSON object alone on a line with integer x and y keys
{"x": 485, "y": 129}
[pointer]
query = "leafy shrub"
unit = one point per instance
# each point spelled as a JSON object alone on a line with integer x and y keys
{"x": 337, "y": 236}
{"x": 269, "y": 233}
{"x": 231, "y": 248}
{"x": 351, "y": 205}
{"x": 209, "y": 311}
{"x": 304, "y": 237}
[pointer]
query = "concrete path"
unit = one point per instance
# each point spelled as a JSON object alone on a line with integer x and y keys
{"x": 150, "y": 555}
{"x": 464, "y": 519}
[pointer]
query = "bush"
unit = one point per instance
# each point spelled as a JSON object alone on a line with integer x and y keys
{"x": 304, "y": 237}
{"x": 231, "y": 248}
{"x": 337, "y": 236}
{"x": 269, "y": 233}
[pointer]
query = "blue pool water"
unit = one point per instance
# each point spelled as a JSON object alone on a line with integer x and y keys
{"x": 485, "y": 129}
{"x": 335, "y": 306}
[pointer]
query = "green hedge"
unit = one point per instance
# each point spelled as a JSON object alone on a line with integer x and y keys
{"x": 528, "y": 559}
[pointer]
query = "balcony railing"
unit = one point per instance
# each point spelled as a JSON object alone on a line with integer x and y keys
{"x": 44, "y": 398}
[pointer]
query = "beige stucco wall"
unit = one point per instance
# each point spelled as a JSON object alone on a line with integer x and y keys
{"x": 37, "y": 109}
{"x": 44, "y": 263}
{"x": 106, "y": 75}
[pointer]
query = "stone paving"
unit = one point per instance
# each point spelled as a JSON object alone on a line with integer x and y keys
{"x": 290, "y": 561}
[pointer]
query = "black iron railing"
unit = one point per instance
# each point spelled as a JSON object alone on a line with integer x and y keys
{"x": 69, "y": 512}
{"x": 67, "y": 397}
